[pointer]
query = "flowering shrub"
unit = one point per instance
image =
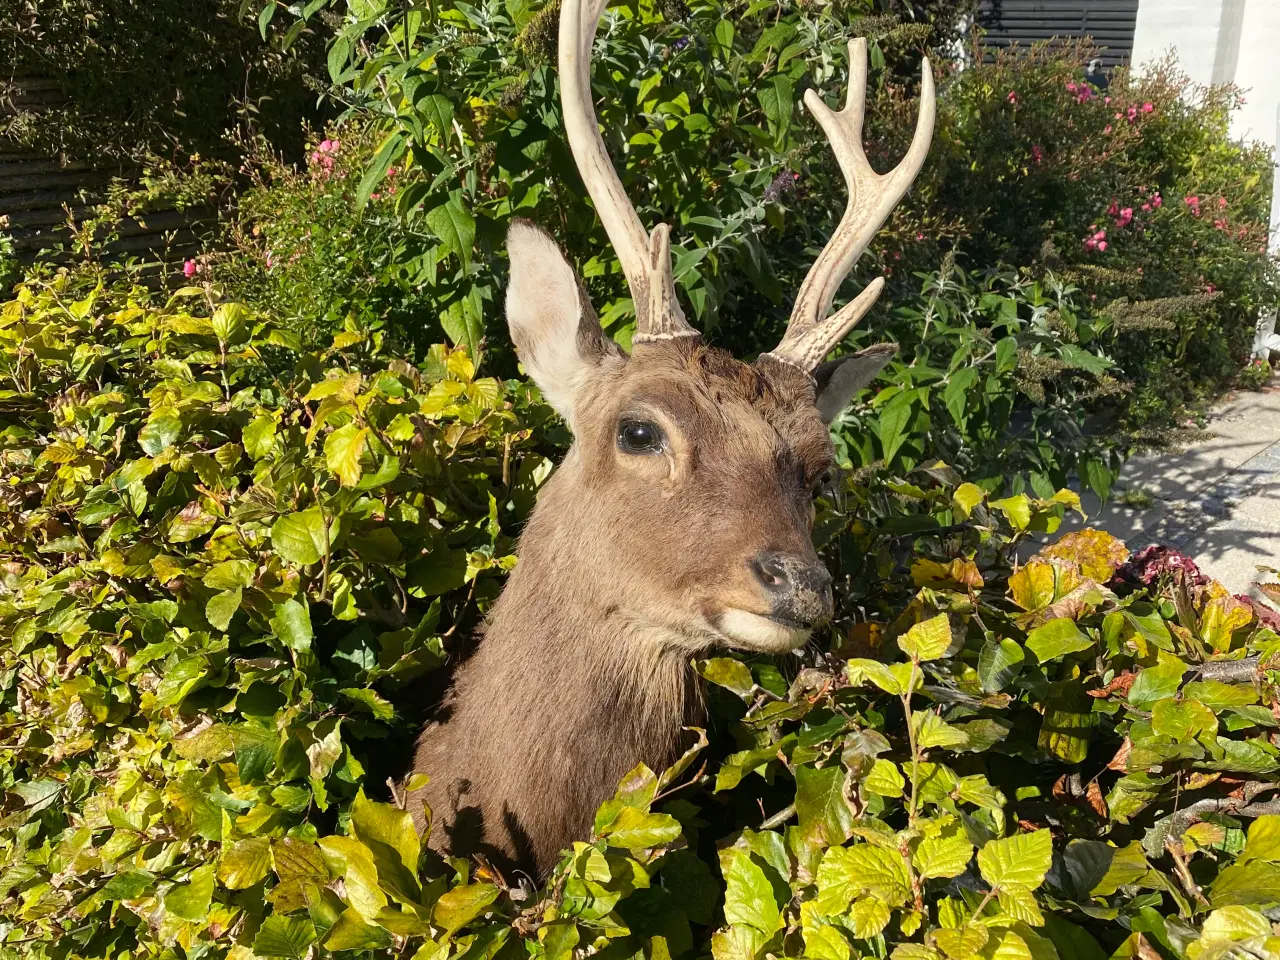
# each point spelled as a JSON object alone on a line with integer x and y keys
{"x": 227, "y": 564}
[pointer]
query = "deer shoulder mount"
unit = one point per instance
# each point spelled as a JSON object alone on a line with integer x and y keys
{"x": 679, "y": 521}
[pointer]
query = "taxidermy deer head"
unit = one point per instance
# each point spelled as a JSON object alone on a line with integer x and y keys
{"x": 680, "y": 519}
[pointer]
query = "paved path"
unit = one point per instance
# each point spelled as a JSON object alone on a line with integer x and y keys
{"x": 1217, "y": 501}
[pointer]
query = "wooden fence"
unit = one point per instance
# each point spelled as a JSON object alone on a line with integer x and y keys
{"x": 40, "y": 195}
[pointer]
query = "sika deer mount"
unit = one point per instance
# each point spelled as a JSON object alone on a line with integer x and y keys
{"x": 680, "y": 519}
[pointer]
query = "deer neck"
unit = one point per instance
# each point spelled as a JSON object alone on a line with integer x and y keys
{"x": 564, "y": 620}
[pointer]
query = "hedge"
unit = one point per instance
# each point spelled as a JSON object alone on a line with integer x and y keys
{"x": 231, "y": 566}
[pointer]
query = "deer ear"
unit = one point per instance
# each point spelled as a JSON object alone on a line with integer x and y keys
{"x": 839, "y": 380}
{"x": 556, "y": 333}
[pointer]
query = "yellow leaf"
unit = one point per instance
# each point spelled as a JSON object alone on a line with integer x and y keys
{"x": 927, "y": 640}
{"x": 965, "y": 498}
{"x": 870, "y": 916}
{"x": 961, "y": 943}
{"x": 1032, "y": 587}
{"x": 1097, "y": 553}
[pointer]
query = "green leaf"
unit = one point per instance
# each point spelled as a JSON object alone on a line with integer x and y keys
{"x": 692, "y": 885}
{"x": 455, "y": 227}
{"x": 259, "y": 437}
{"x": 1264, "y": 840}
{"x": 229, "y": 321}
{"x": 1182, "y": 719}
{"x": 388, "y": 152}
{"x": 245, "y": 864}
{"x": 927, "y": 640}
{"x": 1068, "y": 725}
{"x": 1057, "y": 638}
{"x": 890, "y": 679}
{"x": 222, "y": 607}
{"x": 884, "y": 779}
{"x": 956, "y": 395}
{"x": 822, "y": 811}
{"x": 943, "y": 856}
{"x": 849, "y": 872}
{"x": 300, "y": 537}
{"x": 343, "y": 449}
{"x": 932, "y": 731}
{"x": 1256, "y": 883}
{"x": 961, "y": 943}
{"x": 292, "y": 624}
{"x": 728, "y": 673}
{"x": 191, "y": 900}
{"x": 636, "y": 829}
{"x": 439, "y": 110}
{"x": 350, "y": 859}
{"x": 1023, "y": 859}
{"x": 999, "y": 664}
{"x": 287, "y": 937}
{"x": 159, "y": 433}
{"x": 380, "y": 823}
{"x": 455, "y": 909}
{"x": 1156, "y": 683}
{"x": 892, "y": 424}
{"x": 749, "y": 896}
{"x": 1017, "y": 510}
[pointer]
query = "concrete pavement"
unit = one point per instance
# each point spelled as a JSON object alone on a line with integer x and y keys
{"x": 1217, "y": 501}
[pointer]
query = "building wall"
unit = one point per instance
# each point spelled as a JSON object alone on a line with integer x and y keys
{"x": 1223, "y": 41}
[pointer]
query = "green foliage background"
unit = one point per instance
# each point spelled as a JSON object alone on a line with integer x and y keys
{"x": 229, "y": 561}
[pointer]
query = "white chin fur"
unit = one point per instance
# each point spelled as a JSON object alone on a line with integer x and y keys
{"x": 754, "y": 632}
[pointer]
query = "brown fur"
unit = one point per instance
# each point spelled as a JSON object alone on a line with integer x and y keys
{"x": 625, "y": 566}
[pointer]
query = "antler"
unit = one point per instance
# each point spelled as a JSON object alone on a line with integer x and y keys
{"x": 646, "y": 258}
{"x": 811, "y": 333}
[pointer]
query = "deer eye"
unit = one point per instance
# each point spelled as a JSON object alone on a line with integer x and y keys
{"x": 639, "y": 436}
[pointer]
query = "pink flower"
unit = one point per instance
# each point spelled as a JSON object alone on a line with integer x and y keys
{"x": 270, "y": 260}
{"x": 1220, "y": 225}
{"x": 1210, "y": 288}
{"x": 1132, "y": 113}
{"x": 919, "y": 236}
{"x": 1106, "y": 100}
{"x": 1100, "y": 235}
{"x": 1157, "y": 201}
{"x": 1037, "y": 153}
{"x": 1125, "y": 216}
{"x": 1222, "y": 203}
{"x": 1071, "y": 86}
{"x": 1107, "y": 128}
{"x": 1194, "y": 204}
{"x": 1146, "y": 207}
{"x": 1113, "y": 209}
{"x": 1012, "y": 97}
{"x": 1102, "y": 246}
{"x": 1147, "y": 107}
{"x": 189, "y": 268}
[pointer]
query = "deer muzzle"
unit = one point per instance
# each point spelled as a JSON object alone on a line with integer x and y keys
{"x": 798, "y": 589}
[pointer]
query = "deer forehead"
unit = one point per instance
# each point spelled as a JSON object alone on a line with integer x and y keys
{"x": 720, "y": 405}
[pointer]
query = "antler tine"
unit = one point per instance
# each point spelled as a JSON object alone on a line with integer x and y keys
{"x": 872, "y": 196}
{"x": 646, "y": 258}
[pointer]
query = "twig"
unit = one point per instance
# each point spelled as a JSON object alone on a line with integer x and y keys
{"x": 1232, "y": 671}
{"x": 779, "y": 818}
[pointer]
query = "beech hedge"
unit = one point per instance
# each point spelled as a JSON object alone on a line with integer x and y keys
{"x": 230, "y": 566}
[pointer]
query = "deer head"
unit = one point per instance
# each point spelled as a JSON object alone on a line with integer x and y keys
{"x": 690, "y": 482}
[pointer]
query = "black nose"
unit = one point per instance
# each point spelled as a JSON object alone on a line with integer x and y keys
{"x": 799, "y": 589}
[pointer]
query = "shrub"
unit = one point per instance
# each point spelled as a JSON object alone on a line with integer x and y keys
{"x": 228, "y": 561}
{"x": 142, "y": 79}
{"x": 1032, "y": 178}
